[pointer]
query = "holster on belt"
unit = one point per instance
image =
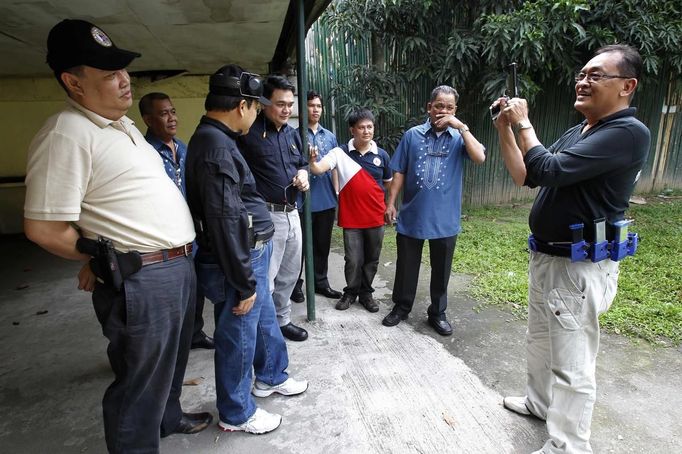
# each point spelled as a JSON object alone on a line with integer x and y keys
{"x": 111, "y": 266}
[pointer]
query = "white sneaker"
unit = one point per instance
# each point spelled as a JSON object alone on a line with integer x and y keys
{"x": 517, "y": 404}
{"x": 289, "y": 387}
{"x": 259, "y": 423}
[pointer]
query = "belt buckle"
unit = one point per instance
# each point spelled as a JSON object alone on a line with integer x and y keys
{"x": 186, "y": 249}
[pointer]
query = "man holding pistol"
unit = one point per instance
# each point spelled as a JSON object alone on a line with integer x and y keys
{"x": 586, "y": 178}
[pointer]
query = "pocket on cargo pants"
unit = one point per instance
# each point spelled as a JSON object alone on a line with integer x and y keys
{"x": 566, "y": 328}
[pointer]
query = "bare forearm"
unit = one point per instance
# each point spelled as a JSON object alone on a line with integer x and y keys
{"x": 56, "y": 237}
{"x": 474, "y": 148}
{"x": 527, "y": 140}
{"x": 395, "y": 187}
{"x": 512, "y": 156}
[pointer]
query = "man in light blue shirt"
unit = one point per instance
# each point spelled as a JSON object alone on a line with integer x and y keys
{"x": 323, "y": 190}
{"x": 429, "y": 164}
{"x": 159, "y": 115}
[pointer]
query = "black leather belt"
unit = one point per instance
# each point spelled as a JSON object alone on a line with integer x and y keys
{"x": 279, "y": 208}
{"x": 553, "y": 249}
{"x": 259, "y": 239}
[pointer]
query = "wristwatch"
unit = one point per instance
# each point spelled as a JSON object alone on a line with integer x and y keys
{"x": 463, "y": 129}
{"x": 523, "y": 124}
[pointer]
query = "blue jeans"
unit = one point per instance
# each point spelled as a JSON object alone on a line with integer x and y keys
{"x": 244, "y": 343}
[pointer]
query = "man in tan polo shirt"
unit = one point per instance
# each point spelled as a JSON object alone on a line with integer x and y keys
{"x": 92, "y": 174}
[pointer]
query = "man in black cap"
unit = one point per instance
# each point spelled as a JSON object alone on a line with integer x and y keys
{"x": 234, "y": 233}
{"x": 96, "y": 191}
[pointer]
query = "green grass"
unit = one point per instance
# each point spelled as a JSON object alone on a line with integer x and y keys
{"x": 492, "y": 248}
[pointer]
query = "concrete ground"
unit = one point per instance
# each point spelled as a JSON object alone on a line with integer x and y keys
{"x": 372, "y": 389}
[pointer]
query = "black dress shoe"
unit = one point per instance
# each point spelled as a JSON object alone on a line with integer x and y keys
{"x": 191, "y": 423}
{"x": 329, "y": 293}
{"x": 442, "y": 327}
{"x": 203, "y": 342}
{"x": 294, "y": 333}
{"x": 297, "y": 295}
{"x": 393, "y": 318}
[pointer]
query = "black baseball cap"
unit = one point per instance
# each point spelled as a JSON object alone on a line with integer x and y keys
{"x": 74, "y": 42}
{"x": 247, "y": 85}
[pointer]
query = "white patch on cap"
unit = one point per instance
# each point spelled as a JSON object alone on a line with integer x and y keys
{"x": 376, "y": 162}
{"x": 101, "y": 37}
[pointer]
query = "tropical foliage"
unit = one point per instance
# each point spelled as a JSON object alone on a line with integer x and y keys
{"x": 469, "y": 43}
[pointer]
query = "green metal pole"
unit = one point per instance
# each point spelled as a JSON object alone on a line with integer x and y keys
{"x": 303, "y": 123}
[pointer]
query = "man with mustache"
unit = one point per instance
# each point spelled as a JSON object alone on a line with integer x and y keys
{"x": 159, "y": 114}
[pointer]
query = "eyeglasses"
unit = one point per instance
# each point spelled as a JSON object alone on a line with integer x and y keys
{"x": 594, "y": 78}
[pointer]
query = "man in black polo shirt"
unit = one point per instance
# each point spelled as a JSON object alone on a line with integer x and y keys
{"x": 272, "y": 149}
{"x": 585, "y": 176}
{"x": 234, "y": 233}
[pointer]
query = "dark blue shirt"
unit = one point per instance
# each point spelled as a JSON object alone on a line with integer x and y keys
{"x": 175, "y": 170}
{"x": 274, "y": 158}
{"x": 322, "y": 192}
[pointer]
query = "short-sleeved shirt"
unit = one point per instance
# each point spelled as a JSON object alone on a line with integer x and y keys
{"x": 433, "y": 166}
{"x": 322, "y": 192}
{"x": 274, "y": 156}
{"x": 586, "y": 176}
{"x": 104, "y": 176}
{"x": 174, "y": 170}
{"x": 361, "y": 185}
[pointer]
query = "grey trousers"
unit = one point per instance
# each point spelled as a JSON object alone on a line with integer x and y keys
{"x": 564, "y": 303}
{"x": 285, "y": 263}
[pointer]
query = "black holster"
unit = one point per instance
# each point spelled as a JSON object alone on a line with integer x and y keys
{"x": 111, "y": 266}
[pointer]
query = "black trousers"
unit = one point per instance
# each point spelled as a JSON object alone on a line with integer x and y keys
{"x": 197, "y": 334}
{"x": 362, "y": 248}
{"x": 441, "y": 252}
{"x": 322, "y": 226}
{"x": 149, "y": 327}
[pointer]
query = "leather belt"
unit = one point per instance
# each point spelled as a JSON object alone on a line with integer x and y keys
{"x": 166, "y": 254}
{"x": 279, "y": 208}
{"x": 552, "y": 249}
{"x": 261, "y": 239}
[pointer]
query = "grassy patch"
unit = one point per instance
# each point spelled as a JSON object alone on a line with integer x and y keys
{"x": 492, "y": 247}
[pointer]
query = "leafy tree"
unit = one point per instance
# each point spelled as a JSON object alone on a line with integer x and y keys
{"x": 468, "y": 44}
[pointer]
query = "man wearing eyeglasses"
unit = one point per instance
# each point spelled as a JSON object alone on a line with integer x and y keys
{"x": 587, "y": 176}
{"x": 429, "y": 164}
{"x": 272, "y": 149}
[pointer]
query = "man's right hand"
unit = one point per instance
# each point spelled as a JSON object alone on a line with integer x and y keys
{"x": 313, "y": 154}
{"x": 389, "y": 215}
{"x": 244, "y": 306}
{"x": 86, "y": 278}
